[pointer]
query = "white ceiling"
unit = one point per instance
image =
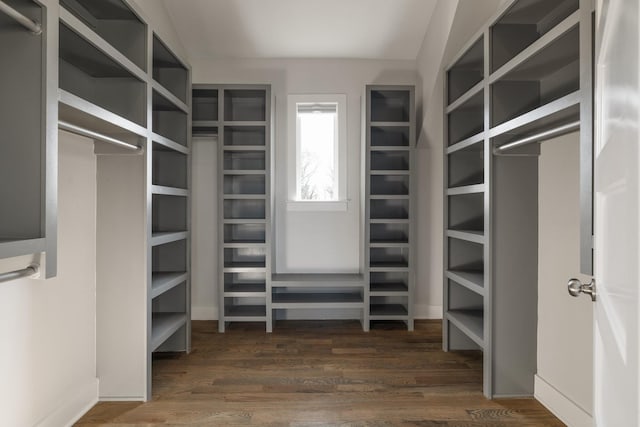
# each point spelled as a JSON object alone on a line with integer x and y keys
{"x": 371, "y": 29}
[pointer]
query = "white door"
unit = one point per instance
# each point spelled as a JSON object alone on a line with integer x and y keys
{"x": 617, "y": 214}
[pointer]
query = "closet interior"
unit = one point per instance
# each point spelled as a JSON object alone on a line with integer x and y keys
{"x": 524, "y": 78}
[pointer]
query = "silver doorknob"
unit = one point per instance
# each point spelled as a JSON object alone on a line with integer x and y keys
{"x": 576, "y": 287}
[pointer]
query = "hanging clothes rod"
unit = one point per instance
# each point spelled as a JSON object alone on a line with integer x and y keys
{"x": 25, "y": 272}
{"x": 98, "y": 136}
{"x": 30, "y": 25}
{"x": 560, "y": 130}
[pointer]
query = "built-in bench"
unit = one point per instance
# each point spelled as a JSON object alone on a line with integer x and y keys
{"x": 319, "y": 291}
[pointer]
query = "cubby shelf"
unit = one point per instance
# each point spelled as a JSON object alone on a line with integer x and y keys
{"x": 162, "y": 282}
{"x": 520, "y": 76}
{"x": 169, "y": 191}
{"x": 239, "y": 117}
{"x": 470, "y": 322}
{"x": 164, "y": 325}
{"x": 473, "y": 280}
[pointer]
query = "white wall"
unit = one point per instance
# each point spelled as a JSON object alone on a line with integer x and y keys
{"x": 204, "y": 226}
{"x": 155, "y": 12}
{"x": 306, "y": 241}
{"x": 451, "y": 27}
{"x": 565, "y": 336}
{"x": 48, "y": 361}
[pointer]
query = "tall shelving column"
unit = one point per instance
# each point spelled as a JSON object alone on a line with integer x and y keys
{"x": 466, "y": 313}
{"x": 168, "y": 170}
{"x": 526, "y": 74}
{"x": 388, "y": 264}
{"x": 245, "y": 208}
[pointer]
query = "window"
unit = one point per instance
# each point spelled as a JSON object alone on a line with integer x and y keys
{"x": 317, "y": 141}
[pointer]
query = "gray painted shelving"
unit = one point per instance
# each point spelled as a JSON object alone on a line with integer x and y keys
{"x": 29, "y": 141}
{"x": 388, "y": 204}
{"x": 119, "y": 79}
{"x": 240, "y": 117}
{"x": 528, "y": 70}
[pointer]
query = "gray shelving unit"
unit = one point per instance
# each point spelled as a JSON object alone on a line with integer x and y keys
{"x": 168, "y": 163}
{"x": 117, "y": 78}
{"x": 29, "y": 141}
{"x": 240, "y": 117}
{"x": 388, "y": 204}
{"x": 526, "y": 72}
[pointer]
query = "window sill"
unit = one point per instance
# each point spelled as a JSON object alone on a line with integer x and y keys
{"x": 320, "y": 206}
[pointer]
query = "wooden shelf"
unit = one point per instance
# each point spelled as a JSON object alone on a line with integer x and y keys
{"x": 169, "y": 191}
{"x": 388, "y": 312}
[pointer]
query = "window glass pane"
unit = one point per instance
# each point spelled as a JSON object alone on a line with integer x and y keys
{"x": 317, "y": 167}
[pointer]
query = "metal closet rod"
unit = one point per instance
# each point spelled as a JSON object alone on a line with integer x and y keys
{"x": 98, "y": 136}
{"x": 560, "y": 130}
{"x": 25, "y": 272}
{"x": 30, "y": 25}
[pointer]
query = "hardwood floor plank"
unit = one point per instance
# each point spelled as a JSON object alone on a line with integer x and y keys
{"x": 311, "y": 374}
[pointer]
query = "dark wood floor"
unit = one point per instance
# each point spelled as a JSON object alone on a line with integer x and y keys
{"x": 319, "y": 374}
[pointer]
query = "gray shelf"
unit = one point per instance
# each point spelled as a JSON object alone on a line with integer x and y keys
{"x": 164, "y": 325}
{"x": 473, "y": 280}
{"x": 523, "y": 24}
{"x": 317, "y": 279}
{"x": 169, "y": 120}
{"x": 470, "y": 322}
{"x": 165, "y": 281}
{"x": 316, "y": 300}
{"x": 116, "y": 23}
{"x": 164, "y": 237}
{"x": 169, "y": 71}
{"x": 467, "y": 72}
{"x": 169, "y": 191}
{"x": 92, "y": 75}
{"x": 205, "y": 106}
{"x": 467, "y": 120}
{"x": 476, "y": 236}
{"x": 548, "y": 75}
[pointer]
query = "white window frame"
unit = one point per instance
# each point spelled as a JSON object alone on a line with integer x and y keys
{"x": 293, "y": 203}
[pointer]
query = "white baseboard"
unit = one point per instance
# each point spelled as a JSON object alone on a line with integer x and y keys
{"x": 204, "y": 313}
{"x": 73, "y": 407}
{"x": 424, "y": 311}
{"x": 560, "y": 405}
